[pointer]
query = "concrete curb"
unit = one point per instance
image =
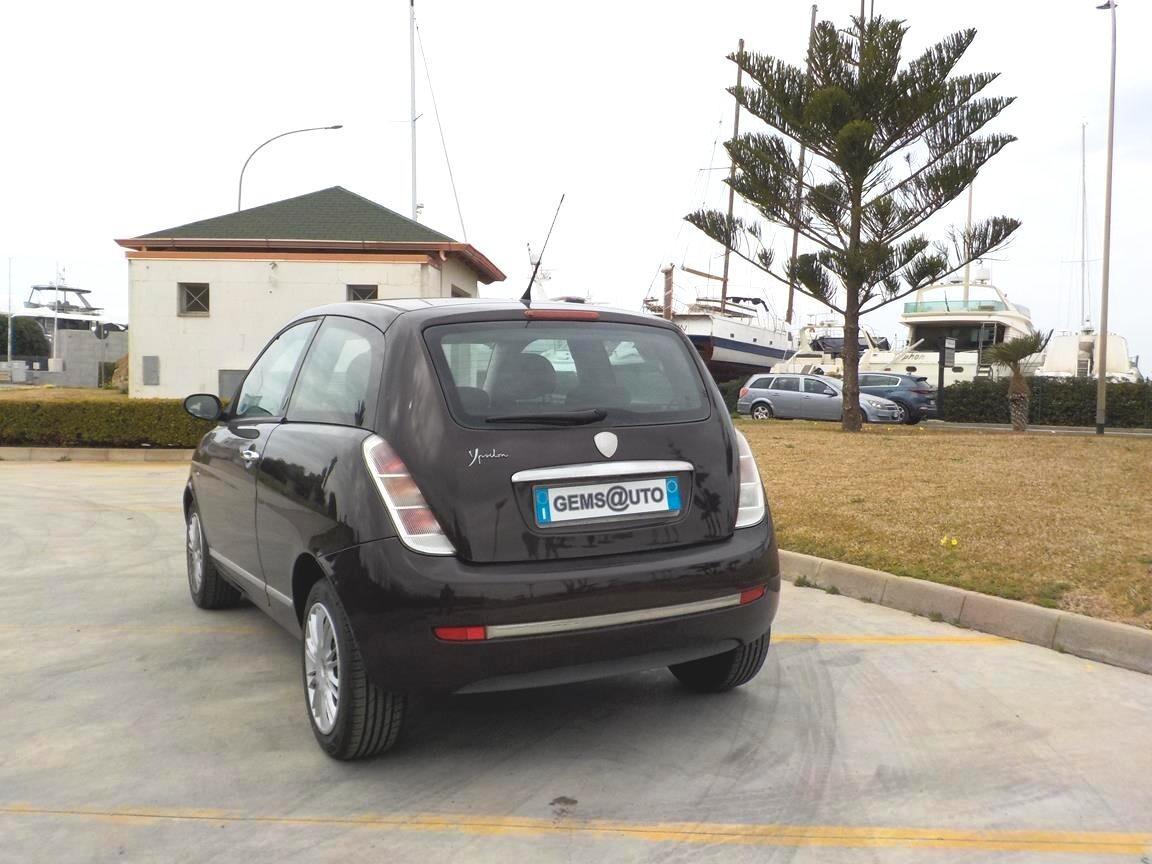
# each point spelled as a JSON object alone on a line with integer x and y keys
{"x": 92, "y": 454}
{"x": 1106, "y": 641}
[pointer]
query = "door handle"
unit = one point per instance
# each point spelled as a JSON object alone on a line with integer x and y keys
{"x": 249, "y": 456}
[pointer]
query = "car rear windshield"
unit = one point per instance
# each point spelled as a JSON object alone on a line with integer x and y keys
{"x": 512, "y": 373}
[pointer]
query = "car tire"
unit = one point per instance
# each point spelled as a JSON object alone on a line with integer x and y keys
{"x": 911, "y": 415}
{"x": 761, "y": 411}
{"x": 208, "y": 588}
{"x": 726, "y": 671}
{"x": 350, "y": 716}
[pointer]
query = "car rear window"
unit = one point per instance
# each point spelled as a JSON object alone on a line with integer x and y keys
{"x": 635, "y": 374}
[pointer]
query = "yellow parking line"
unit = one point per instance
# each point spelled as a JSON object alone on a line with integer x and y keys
{"x": 1082, "y": 842}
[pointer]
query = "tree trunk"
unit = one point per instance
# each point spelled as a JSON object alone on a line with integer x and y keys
{"x": 1018, "y": 399}
{"x": 851, "y": 420}
{"x": 1018, "y": 411}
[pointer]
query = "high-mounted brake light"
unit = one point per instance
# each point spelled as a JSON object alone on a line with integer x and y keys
{"x": 415, "y": 523}
{"x": 561, "y": 314}
{"x": 751, "y": 508}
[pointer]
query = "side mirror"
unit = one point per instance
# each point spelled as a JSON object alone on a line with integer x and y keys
{"x": 204, "y": 406}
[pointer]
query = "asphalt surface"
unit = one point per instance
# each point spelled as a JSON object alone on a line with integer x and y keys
{"x": 138, "y": 728}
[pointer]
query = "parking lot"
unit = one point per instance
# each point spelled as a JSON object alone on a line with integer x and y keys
{"x": 139, "y": 728}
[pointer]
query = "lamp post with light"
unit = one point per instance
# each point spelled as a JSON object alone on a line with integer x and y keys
{"x": 240, "y": 187}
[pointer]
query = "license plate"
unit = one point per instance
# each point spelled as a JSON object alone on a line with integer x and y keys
{"x": 606, "y": 500}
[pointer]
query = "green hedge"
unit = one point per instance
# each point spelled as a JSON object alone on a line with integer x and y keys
{"x": 730, "y": 390}
{"x": 1055, "y": 402}
{"x": 127, "y": 423}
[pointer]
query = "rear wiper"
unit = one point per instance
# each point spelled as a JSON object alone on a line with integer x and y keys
{"x": 554, "y": 418}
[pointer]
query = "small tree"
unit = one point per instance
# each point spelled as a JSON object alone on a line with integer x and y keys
{"x": 1012, "y": 354}
{"x": 28, "y": 340}
{"x": 860, "y": 114}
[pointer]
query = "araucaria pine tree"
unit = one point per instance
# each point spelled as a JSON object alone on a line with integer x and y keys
{"x": 888, "y": 146}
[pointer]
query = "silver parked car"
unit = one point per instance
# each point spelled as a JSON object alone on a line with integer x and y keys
{"x": 791, "y": 396}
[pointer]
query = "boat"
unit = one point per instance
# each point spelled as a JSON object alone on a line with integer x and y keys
{"x": 976, "y": 313}
{"x": 61, "y": 307}
{"x": 1072, "y": 354}
{"x": 735, "y": 336}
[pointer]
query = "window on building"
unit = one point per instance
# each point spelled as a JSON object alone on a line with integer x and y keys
{"x": 193, "y": 298}
{"x": 363, "y": 292}
{"x": 265, "y": 388}
{"x": 335, "y": 381}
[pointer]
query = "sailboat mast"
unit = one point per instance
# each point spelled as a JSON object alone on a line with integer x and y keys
{"x": 800, "y": 180}
{"x": 1083, "y": 229}
{"x": 412, "y": 83}
{"x": 731, "y": 188}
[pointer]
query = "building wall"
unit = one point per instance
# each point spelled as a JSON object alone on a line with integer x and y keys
{"x": 249, "y": 301}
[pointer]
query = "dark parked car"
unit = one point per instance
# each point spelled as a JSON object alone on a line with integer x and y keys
{"x": 912, "y": 393}
{"x": 471, "y": 496}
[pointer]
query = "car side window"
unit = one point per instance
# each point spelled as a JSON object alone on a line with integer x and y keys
{"x": 785, "y": 382}
{"x": 761, "y": 384}
{"x": 871, "y": 380}
{"x": 811, "y": 385}
{"x": 265, "y": 388}
{"x": 336, "y": 381}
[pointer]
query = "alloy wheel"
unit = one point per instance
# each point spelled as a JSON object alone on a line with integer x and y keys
{"x": 761, "y": 412}
{"x": 195, "y": 553}
{"x": 322, "y": 668}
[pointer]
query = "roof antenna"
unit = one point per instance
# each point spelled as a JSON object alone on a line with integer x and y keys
{"x": 526, "y": 297}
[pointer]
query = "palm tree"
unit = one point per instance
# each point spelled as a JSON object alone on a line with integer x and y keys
{"x": 1011, "y": 354}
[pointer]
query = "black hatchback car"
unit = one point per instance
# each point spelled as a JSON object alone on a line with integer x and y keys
{"x": 470, "y": 496}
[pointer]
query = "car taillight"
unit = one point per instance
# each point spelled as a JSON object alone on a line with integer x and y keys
{"x": 751, "y": 508}
{"x": 415, "y": 523}
{"x": 923, "y": 392}
{"x": 743, "y": 392}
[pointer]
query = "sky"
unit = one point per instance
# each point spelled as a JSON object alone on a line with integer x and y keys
{"x": 127, "y": 117}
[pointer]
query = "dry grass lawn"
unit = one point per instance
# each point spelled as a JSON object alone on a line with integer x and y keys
{"x": 1058, "y": 520}
{"x": 23, "y": 393}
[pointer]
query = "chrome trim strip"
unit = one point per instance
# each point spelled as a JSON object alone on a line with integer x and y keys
{"x": 603, "y": 469}
{"x": 569, "y": 625}
{"x": 278, "y": 596}
{"x": 235, "y": 569}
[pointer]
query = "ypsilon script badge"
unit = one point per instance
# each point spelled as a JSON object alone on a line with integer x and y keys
{"x": 606, "y": 444}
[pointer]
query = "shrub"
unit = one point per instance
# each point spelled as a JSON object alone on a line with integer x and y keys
{"x": 730, "y": 390}
{"x": 127, "y": 423}
{"x": 1055, "y": 402}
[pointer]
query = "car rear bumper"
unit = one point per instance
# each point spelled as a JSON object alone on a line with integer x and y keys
{"x": 570, "y": 612}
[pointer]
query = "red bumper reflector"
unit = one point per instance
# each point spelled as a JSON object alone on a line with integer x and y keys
{"x": 752, "y": 594}
{"x": 561, "y": 314}
{"x": 461, "y": 634}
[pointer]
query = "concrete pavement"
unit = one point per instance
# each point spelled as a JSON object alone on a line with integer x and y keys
{"x": 138, "y": 728}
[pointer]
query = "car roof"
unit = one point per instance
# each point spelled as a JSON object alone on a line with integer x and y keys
{"x": 423, "y": 311}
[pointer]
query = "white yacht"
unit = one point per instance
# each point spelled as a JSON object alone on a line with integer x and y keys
{"x": 737, "y": 341}
{"x": 1073, "y": 355}
{"x": 977, "y": 315}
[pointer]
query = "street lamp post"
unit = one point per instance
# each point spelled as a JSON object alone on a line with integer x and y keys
{"x": 1102, "y": 352}
{"x": 240, "y": 187}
